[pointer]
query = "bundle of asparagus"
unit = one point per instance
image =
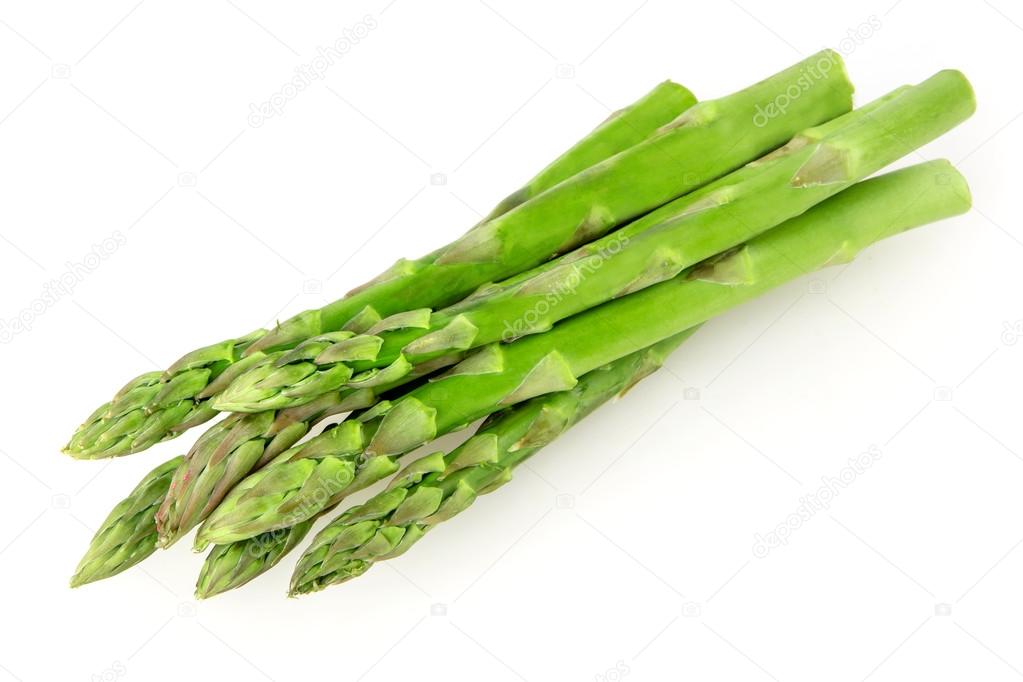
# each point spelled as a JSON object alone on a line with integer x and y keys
{"x": 570, "y": 291}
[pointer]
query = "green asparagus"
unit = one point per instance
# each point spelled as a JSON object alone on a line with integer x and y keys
{"x": 436, "y": 487}
{"x": 128, "y": 535}
{"x": 622, "y": 129}
{"x": 290, "y": 491}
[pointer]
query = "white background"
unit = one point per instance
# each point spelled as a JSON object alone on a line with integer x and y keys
{"x": 627, "y": 546}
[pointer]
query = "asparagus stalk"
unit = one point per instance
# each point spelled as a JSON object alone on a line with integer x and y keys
{"x": 157, "y": 406}
{"x": 289, "y": 491}
{"x": 896, "y": 202}
{"x": 128, "y": 535}
{"x": 703, "y": 143}
{"x": 689, "y": 229}
{"x": 622, "y": 129}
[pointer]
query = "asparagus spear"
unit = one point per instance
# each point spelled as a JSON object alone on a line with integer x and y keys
{"x": 128, "y": 535}
{"x": 622, "y": 129}
{"x": 290, "y": 491}
{"x": 436, "y": 487}
{"x": 886, "y": 205}
{"x": 689, "y": 229}
{"x": 156, "y": 406}
{"x": 703, "y": 143}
